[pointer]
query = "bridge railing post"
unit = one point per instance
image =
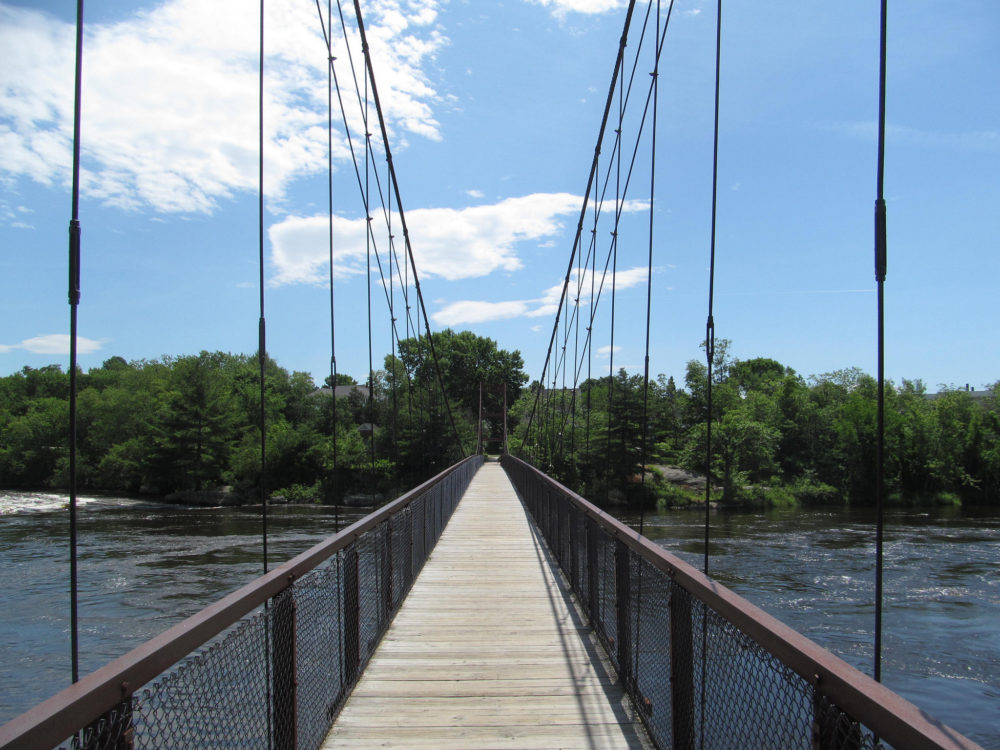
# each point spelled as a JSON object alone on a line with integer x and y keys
{"x": 387, "y": 572}
{"x": 115, "y": 730}
{"x": 284, "y": 671}
{"x": 352, "y": 616}
{"x": 682, "y": 668}
{"x": 623, "y": 607}
{"x": 593, "y": 575}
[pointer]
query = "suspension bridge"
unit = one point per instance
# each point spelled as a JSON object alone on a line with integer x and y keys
{"x": 490, "y": 606}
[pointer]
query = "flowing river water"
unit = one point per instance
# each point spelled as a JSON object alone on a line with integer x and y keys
{"x": 145, "y": 566}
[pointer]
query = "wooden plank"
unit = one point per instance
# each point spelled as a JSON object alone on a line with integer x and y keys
{"x": 488, "y": 650}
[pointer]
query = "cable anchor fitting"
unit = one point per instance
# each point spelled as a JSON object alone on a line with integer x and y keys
{"x": 880, "y": 241}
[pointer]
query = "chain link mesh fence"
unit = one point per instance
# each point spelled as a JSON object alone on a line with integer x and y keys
{"x": 696, "y": 679}
{"x": 277, "y": 677}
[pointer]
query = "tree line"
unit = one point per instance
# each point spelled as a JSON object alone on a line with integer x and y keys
{"x": 187, "y": 423}
{"x": 777, "y": 438}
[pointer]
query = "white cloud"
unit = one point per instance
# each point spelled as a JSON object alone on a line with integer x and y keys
{"x": 473, "y": 311}
{"x": 475, "y": 193}
{"x": 55, "y": 343}
{"x": 603, "y": 352}
{"x": 170, "y": 97}
{"x": 478, "y": 311}
{"x": 450, "y": 243}
{"x": 591, "y": 7}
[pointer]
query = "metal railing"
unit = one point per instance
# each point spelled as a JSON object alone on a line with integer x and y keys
{"x": 268, "y": 666}
{"x": 705, "y": 668}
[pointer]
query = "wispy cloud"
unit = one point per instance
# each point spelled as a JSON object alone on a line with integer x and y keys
{"x": 604, "y": 352}
{"x": 159, "y": 76}
{"x": 451, "y": 243}
{"x": 54, "y": 343}
{"x": 467, "y": 312}
{"x": 590, "y": 7}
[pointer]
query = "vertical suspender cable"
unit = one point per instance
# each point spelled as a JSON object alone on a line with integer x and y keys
{"x": 614, "y": 280}
{"x": 880, "y": 271}
{"x": 329, "y": 159}
{"x": 583, "y": 211}
{"x": 262, "y": 366}
{"x": 368, "y": 278}
{"x": 393, "y": 333}
{"x": 261, "y": 334}
{"x": 333, "y": 335}
{"x": 710, "y": 325}
{"x": 649, "y": 263}
{"x": 710, "y": 352}
{"x": 74, "y": 302}
{"x": 402, "y": 221}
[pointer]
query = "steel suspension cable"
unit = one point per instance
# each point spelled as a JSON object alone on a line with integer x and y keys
{"x": 402, "y": 220}
{"x": 710, "y": 355}
{"x": 614, "y": 285}
{"x": 74, "y": 303}
{"x": 261, "y": 326}
{"x": 583, "y": 211}
{"x": 649, "y": 264}
{"x": 615, "y": 149}
{"x": 262, "y": 362}
{"x": 649, "y": 306}
{"x": 710, "y": 324}
{"x": 368, "y": 289}
{"x": 362, "y": 189}
{"x": 880, "y": 272}
{"x": 333, "y": 327}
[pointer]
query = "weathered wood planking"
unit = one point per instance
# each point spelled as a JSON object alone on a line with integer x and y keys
{"x": 488, "y": 650}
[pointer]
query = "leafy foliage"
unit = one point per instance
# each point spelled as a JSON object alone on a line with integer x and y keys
{"x": 776, "y": 437}
{"x": 193, "y": 422}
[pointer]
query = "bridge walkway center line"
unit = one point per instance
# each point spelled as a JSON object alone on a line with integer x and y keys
{"x": 488, "y": 650}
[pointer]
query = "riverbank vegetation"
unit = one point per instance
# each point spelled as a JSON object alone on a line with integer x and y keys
{"x": 179, "y": 425}
{"x": 777, "y": 438}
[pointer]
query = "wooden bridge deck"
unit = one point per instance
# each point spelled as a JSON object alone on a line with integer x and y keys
{"x": 488, "y": 650}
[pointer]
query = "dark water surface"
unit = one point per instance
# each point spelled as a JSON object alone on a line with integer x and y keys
{"x": 142, "y": 568}
{"x": 814, "y": 570}
{"x": 145, "y": 566}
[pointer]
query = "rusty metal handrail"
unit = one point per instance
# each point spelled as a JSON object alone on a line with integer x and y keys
{"x": 891, "y": 717}
{"x": 84, "y": 702}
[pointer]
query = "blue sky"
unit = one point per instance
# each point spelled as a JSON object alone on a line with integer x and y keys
{"x": 494, "y": 109}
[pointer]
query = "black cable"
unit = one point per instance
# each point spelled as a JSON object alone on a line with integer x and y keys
{"x": 710, "y": 356}
{"x": 74, "y": 302}
{"x": 261, "y": 328}
{"x": 649, "y": 265}
{"x": 710, "y": 324}
{"x": 880, "y": 271}
{"x": 362, "y": 183}
{"x": 402, "y": 219}
{"x": 368, "y": 288}
{"x": 614, "y": 284}
{"x": 262, "y": 361}
{"x": 583, "y": 211}
{"x": 333, "y": 337}
{"x": 333, "y": 332}
{"x": 614, "y": 153}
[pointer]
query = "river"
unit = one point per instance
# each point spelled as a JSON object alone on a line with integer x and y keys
{"x": 144, "y": 566}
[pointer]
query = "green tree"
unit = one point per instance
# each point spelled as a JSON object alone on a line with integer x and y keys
{"x": 194, "y": 426}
